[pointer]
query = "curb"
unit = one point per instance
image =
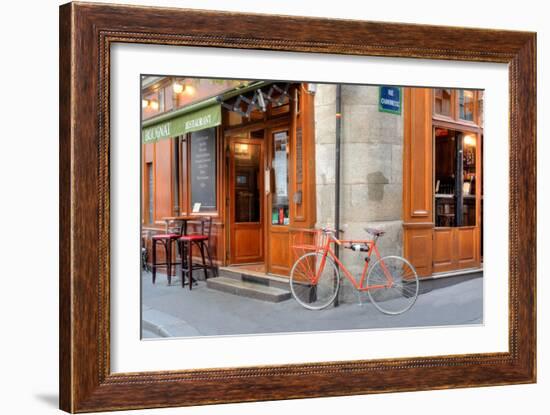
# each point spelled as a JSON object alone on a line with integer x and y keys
{"x": 152, "y": 327}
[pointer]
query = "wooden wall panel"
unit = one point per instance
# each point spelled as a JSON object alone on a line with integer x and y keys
{"x": 417, "y": 179}
{"x": 302, "y": 173}
{"x": 444, "y": 254}
{"x": 418, "y": 247}
{"x": 467, "y": 255}
{"x": 163, "y": 179}
{"x": 279, "y": 251}
{"x": 417, "y": 155}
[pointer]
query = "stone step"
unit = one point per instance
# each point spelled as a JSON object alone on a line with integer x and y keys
{"x": 259, "y": 278}
{"x": 248, "y": 289}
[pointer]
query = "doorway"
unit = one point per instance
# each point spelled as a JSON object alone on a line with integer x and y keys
{"x": 457, "y": 196}
{"x": 245, "y": 199}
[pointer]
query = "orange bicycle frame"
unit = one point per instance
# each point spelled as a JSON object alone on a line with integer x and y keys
{"x": 359, "y": 285}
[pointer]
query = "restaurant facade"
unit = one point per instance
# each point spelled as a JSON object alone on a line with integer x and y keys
{"x": 267, "y": 159}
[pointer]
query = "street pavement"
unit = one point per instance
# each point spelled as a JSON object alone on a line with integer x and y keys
{"x": 173, "y": 311}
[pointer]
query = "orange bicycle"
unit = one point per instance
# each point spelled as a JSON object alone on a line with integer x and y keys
{"x": 391, "y": 283}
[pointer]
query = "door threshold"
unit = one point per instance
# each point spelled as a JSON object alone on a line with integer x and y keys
{"x": 248, "y": 270}
{"x": 455, "y": 273}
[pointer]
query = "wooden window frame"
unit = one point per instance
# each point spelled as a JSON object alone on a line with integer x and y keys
{"x": 455, "y": 110}
{"x": 185, "y": 180}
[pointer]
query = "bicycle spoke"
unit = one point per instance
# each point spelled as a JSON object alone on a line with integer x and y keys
{"x": 316, "y": 295}
{"x": 400, "y": 281}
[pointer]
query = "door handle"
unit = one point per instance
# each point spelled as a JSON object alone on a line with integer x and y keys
{"x": 267, "y": 181}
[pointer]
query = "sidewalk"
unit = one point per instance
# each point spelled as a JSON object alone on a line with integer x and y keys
{"x": 173, "y": 311}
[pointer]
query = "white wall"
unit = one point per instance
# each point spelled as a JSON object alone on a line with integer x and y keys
{"x": 28, "y": 298}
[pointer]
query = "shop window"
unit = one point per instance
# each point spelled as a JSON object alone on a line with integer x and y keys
{"x": 203, "y": 170}
{"x": 455, "y": 178}
{"x": 466, "y": 100}
{"x": 469, "y": 143}
{"x": 279, "y": 206}
{"x": 442, "y": 102}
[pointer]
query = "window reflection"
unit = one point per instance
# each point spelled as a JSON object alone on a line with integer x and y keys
{"x": 466, "y": 104}
{"x": 442, "y": 101}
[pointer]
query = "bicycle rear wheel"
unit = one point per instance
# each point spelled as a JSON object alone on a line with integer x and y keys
{"x": 397, "y": 283}
{"x": 311, "y": 295}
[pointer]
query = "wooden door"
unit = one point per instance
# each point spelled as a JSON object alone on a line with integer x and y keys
{"x": 457, "y": 200}
{"x": 246, "y": 200}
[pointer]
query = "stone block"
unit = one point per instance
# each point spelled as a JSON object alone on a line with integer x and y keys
{"x": 325, "y": 124}
{"x": 325, "y": 159}
{"x": 364, "y": 123}
{"x": 366, "y": 163}
{"x": 371, "y": 202}
{"x": 325, "y": 203}
{"x": 325, "y": 95}
{"x": 396, "y": 163}
{"x": 360, "y": 94}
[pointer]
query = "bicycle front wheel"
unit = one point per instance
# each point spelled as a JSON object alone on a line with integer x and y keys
{"x": 309, "y": 293}
{"x": 392, "y": 285}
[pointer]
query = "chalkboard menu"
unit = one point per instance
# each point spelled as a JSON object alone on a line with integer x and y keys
{"x": 203, "y": 170}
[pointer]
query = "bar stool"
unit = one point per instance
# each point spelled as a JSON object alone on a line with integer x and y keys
{"x": 202, "y": 241}
{"x": 166, "y": 240}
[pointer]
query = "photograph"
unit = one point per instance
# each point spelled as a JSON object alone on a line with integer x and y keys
{"x": 277, "y": 206}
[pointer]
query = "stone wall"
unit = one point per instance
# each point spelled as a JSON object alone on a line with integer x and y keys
{"x": 371, "y": 169}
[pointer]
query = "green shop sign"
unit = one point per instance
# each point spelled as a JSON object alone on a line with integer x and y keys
{"x": 181, "y": 122}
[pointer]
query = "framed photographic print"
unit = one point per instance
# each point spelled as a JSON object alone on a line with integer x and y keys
{"x": 253, "y": 209}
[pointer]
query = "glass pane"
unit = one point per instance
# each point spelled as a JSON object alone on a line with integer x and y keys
{"x": 203, "y": 170}
{"x": 279, "y": 207}
{"x": 442, "y": 101}
{"x": 469, "y": 143}
{"x": 466, "y": 105}
{"x": 445, "y": 177}
{"x": 247, "y": 189}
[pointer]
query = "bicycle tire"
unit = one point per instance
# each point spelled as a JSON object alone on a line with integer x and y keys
{"x": 314, "y": 296}
{"x": 402, "y": 294}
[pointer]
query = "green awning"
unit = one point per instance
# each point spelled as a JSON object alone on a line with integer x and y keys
{"x": 194, "y": 117}
{"x": 206, "y": 114}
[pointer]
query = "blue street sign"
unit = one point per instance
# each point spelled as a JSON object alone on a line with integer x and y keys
{"x": 389, "y": 99}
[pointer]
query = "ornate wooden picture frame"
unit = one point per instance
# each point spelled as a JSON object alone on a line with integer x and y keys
{"x": 87, "y": 32}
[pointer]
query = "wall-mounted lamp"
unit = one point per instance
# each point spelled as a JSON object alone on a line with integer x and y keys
{"x": 190, "y": 89}
{"x": 178, "y": 87}
{"x": 150, "y": 103}
{"x": 469, "y": 140}
{"x": 154, "y": 104}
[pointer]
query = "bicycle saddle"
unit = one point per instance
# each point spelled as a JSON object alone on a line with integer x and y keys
{"x": 375, "y": 232}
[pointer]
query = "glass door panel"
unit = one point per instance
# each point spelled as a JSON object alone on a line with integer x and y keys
{"x": 445, "y": 178}
{"x": 279, "y": 163}
{"x": 469, "y": 143}
{"x": 246, "y": 182}
{"x": 455, "y": 178}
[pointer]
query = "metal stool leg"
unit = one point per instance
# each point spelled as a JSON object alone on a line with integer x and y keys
{"x": 154, "y": 245}
{"x": 169, "y": 260}
{"x": 190, "y": 266}
{"x": 183, "y": 254}
{"x": 201, "y": 246}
